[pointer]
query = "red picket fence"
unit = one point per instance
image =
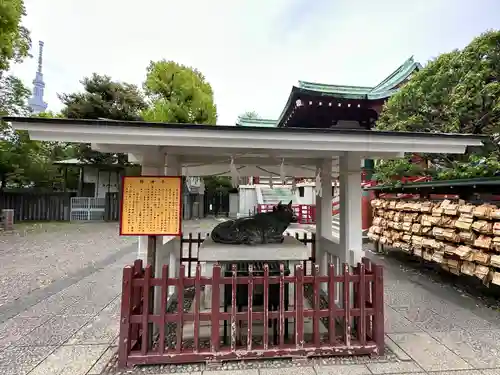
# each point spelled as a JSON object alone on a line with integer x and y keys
{"x": 180, "y": 330}
{"x": 306, "y": 213}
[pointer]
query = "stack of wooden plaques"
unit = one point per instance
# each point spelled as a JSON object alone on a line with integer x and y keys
{"x": 462, "y": 237}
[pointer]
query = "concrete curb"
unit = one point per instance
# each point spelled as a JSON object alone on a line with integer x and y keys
{"x": 396, "y": 349}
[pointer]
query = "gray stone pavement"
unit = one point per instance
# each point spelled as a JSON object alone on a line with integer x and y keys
{"x": 34, "y": 262}
{"x": 72, "y": 329}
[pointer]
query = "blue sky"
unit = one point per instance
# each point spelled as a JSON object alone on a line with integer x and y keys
{"x": 251, "y": 51}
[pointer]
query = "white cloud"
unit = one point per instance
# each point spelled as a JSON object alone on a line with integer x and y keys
{"x": 252, "y": 52}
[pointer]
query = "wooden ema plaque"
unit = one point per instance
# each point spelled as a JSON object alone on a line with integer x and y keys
{"x": 151, "y": 206}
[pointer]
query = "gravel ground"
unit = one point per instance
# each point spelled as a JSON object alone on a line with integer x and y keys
{"x": 34, "y": 259}
{"x": 251, "y": 364}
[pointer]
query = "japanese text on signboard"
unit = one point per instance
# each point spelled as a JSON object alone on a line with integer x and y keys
{"x": 151, "y": 206}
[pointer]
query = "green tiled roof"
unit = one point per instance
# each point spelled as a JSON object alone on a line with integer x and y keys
{"x": 349, "y": 92}
{"x": 265, "y": 123}
{"x": 383, "y": 90}
{"x": 397, "y": 77}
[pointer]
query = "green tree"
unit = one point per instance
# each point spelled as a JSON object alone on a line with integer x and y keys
{"x": 42, "y": 170}
{"x": 13, "y": 97}
{"x": 48, "y": 114}
{"x": 390, "y": 172}
{"x": 251, "y": 115}
{"x": 59, "y": 150}
{"x": 181, "y": 94}
{"x": 178, "y": 94}
{"x": 15, "y": 40}
{"x": 24, "y": 162}
{"x": 422, "y": 104}
{"x": 13, "y": 145}
{"x": 458, "y": 92}
{"x": 33, "y": 164}
{"x": 103, "y": 98}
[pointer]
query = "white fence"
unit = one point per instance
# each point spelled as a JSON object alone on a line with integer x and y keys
{"x": 87, "y": 209}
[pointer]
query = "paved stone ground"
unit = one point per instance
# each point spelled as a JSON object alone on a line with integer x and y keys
{"x": 58, "y": 293}
{"x": 35, "y": 262}
{"x": 70, "y": 325}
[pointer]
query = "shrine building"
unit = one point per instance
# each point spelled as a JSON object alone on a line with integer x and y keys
{"x": 320, "y": 106}
{"x": 325, "y": 106}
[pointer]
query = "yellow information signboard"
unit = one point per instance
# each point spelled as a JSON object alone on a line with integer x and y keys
{"x": 151, "y": 206}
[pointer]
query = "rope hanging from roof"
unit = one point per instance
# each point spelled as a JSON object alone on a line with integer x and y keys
{"x": 319, "y": 189}
{"x": 294, "y": 185}
{"x": 186, "y": 178}
{"x": 235, "y": 175}
{"x": 283, "y": 172}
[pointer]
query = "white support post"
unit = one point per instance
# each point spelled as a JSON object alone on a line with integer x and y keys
{"x": 173, "y": 168}
{"x": 351, "y": 240}
{"x": 325, "y": 214}
{"x": 318, "y": 203}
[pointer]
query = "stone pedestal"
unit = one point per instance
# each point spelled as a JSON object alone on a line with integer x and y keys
{"x": 234, "y": 202}
{"x": 291, "y": 250}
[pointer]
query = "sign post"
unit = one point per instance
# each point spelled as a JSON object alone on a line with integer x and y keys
{"x": 151, "y": 206}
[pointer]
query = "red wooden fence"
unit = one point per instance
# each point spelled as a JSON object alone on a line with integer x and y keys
{"x": 345, "y": 324}
{"x": 306, "y": 213}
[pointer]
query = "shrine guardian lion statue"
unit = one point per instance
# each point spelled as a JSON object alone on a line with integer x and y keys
{"x": 262, "y": 228}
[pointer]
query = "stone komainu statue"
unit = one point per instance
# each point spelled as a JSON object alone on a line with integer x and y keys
{"x": 261, "y": 228}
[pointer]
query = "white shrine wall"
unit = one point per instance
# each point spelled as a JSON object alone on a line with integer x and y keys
{"x": 101, "y": 180}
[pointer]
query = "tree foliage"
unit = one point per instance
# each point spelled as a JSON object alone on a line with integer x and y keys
{"x": 218, "y": 183}
{"x": 25, "y": 162}
{"x": 178, "y": 94}
{"x": 181, "y": 94}
{"x": 251, "y": 115}
{"x": 103, "y": 98}
{"x": 15, "y": 40}
{"x": 390, "y": 172}
{"x": 13, "y": 96}
{"x": 458, "y": 92}
{"x": 474, "y": 167}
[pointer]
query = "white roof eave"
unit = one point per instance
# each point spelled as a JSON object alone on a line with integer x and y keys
{"x": 328, "y": 142}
